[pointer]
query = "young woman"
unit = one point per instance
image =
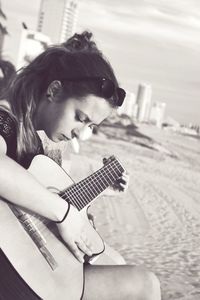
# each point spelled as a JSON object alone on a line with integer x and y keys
{"x": 60, "y": 92}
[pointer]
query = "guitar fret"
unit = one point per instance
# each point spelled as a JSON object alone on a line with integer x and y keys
{"x": 83, "y": 202}
{"x": 81, "y": 194}
{"x": 73, "y": 192}
{"x": 99, "y": 179}
{"x": 92, "y": 186}
{"x": 70, "y": 196}
{"x": 75, "y": 203}
{"x": 81, "y": 190}
{"x": 86, "y": 190}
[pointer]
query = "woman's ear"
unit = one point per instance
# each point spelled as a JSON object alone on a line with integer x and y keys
{"x": 53, "y": 90}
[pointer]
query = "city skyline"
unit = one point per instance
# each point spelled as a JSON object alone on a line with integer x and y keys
{"x": 155, "y": 42}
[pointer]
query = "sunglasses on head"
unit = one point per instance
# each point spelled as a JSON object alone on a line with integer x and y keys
{"x": 107, "y": 88}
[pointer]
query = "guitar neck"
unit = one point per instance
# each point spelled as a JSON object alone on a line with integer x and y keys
{"x": 83, "y": 192}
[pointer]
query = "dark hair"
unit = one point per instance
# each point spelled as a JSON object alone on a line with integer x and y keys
{"x": 55, "y": 63}
{"x": 8, "y": 72}
{"x": 82, "y": 42}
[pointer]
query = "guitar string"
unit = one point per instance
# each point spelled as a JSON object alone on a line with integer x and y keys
{"x": 75, "y": 194}
{"x": 85, "y": 193}
{"x": 87, "y": 183}
{"x": 96, "y": 174}
{"x": 87, "y": 186}
{"x": 80, "y": 191}
{"x": 39, "y": 222}
{"x": 92, "y": 189}
{"x": 40, "y": 229}
{"x": 82, "y": 185}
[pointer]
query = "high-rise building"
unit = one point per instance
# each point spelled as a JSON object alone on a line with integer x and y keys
{"x": 158, "y": 113}
{"x": 143, "y": 102}
{"x": 32, "y": 43}
{"x": 57, "y": 19}
{"x": 127, "y": 107}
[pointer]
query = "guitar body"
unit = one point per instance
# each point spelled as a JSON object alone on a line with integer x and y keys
{"x": 65, "y": 279}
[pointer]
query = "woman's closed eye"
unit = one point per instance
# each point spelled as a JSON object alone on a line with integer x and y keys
{"x": 92, "y": 126}
{"x": 81, "y": 117}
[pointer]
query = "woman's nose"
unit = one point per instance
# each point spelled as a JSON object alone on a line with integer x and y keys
{"x": 85, "y": 133}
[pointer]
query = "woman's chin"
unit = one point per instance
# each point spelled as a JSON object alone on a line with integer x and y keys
{"x": 56, "y": 139}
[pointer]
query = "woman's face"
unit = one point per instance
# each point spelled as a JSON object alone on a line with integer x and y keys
{"x": 62, "y": 121}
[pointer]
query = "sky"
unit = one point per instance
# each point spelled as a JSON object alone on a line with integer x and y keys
{"x": 150, "y": 41}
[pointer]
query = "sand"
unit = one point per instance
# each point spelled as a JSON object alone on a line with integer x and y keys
{"x": 156, "y": 223}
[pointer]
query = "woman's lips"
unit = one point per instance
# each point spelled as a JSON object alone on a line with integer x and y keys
{"x": 65, "y": 138}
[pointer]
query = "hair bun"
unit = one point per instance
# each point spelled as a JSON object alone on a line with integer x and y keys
{"x": 81, "y": 42}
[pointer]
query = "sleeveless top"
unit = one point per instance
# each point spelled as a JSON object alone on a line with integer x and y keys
{"x": 12, "y": 285}
{"x": 8, "y": 131}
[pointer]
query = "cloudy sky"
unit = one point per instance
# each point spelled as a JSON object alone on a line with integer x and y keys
{"x": 154, "y": 41}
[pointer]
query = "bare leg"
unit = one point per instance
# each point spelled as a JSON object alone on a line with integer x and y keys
{"x": 120, "y": 283}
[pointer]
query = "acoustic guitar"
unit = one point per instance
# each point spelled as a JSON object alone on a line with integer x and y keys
{"x": 32, "y": 244}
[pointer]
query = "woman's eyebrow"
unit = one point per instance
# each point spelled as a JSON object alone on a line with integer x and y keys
{"x": 87, "y": 119}
{"x": 92, "y": 123}
{"x": 102, "y": 122}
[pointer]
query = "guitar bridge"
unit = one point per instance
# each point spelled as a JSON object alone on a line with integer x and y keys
{"x": 35, "y": 235}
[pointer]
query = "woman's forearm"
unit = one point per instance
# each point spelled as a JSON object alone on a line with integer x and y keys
{"x": 18, "y": 186}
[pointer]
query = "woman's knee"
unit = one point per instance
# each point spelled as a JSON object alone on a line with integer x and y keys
{"x": 146, "y": 285}
{"x": 154, "y": 287}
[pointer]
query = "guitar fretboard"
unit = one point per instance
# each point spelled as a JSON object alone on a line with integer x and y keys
{"x": 83, "y": 192}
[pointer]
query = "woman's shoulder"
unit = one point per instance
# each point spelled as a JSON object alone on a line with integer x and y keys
{"x": 8, "y": 131}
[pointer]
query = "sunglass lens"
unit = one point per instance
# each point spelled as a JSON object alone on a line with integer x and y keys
{"x": 121, "y": 96}
{"x": 108, "y": 90}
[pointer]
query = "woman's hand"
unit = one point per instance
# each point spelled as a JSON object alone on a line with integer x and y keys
{"x": 122, "y": 183}
{"x": 72, "y": 232}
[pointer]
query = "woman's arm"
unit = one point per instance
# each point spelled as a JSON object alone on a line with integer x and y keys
{"x": 18, "y": 186}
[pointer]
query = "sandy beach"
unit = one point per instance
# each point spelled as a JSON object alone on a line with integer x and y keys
{"x": 156, "y": 223}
